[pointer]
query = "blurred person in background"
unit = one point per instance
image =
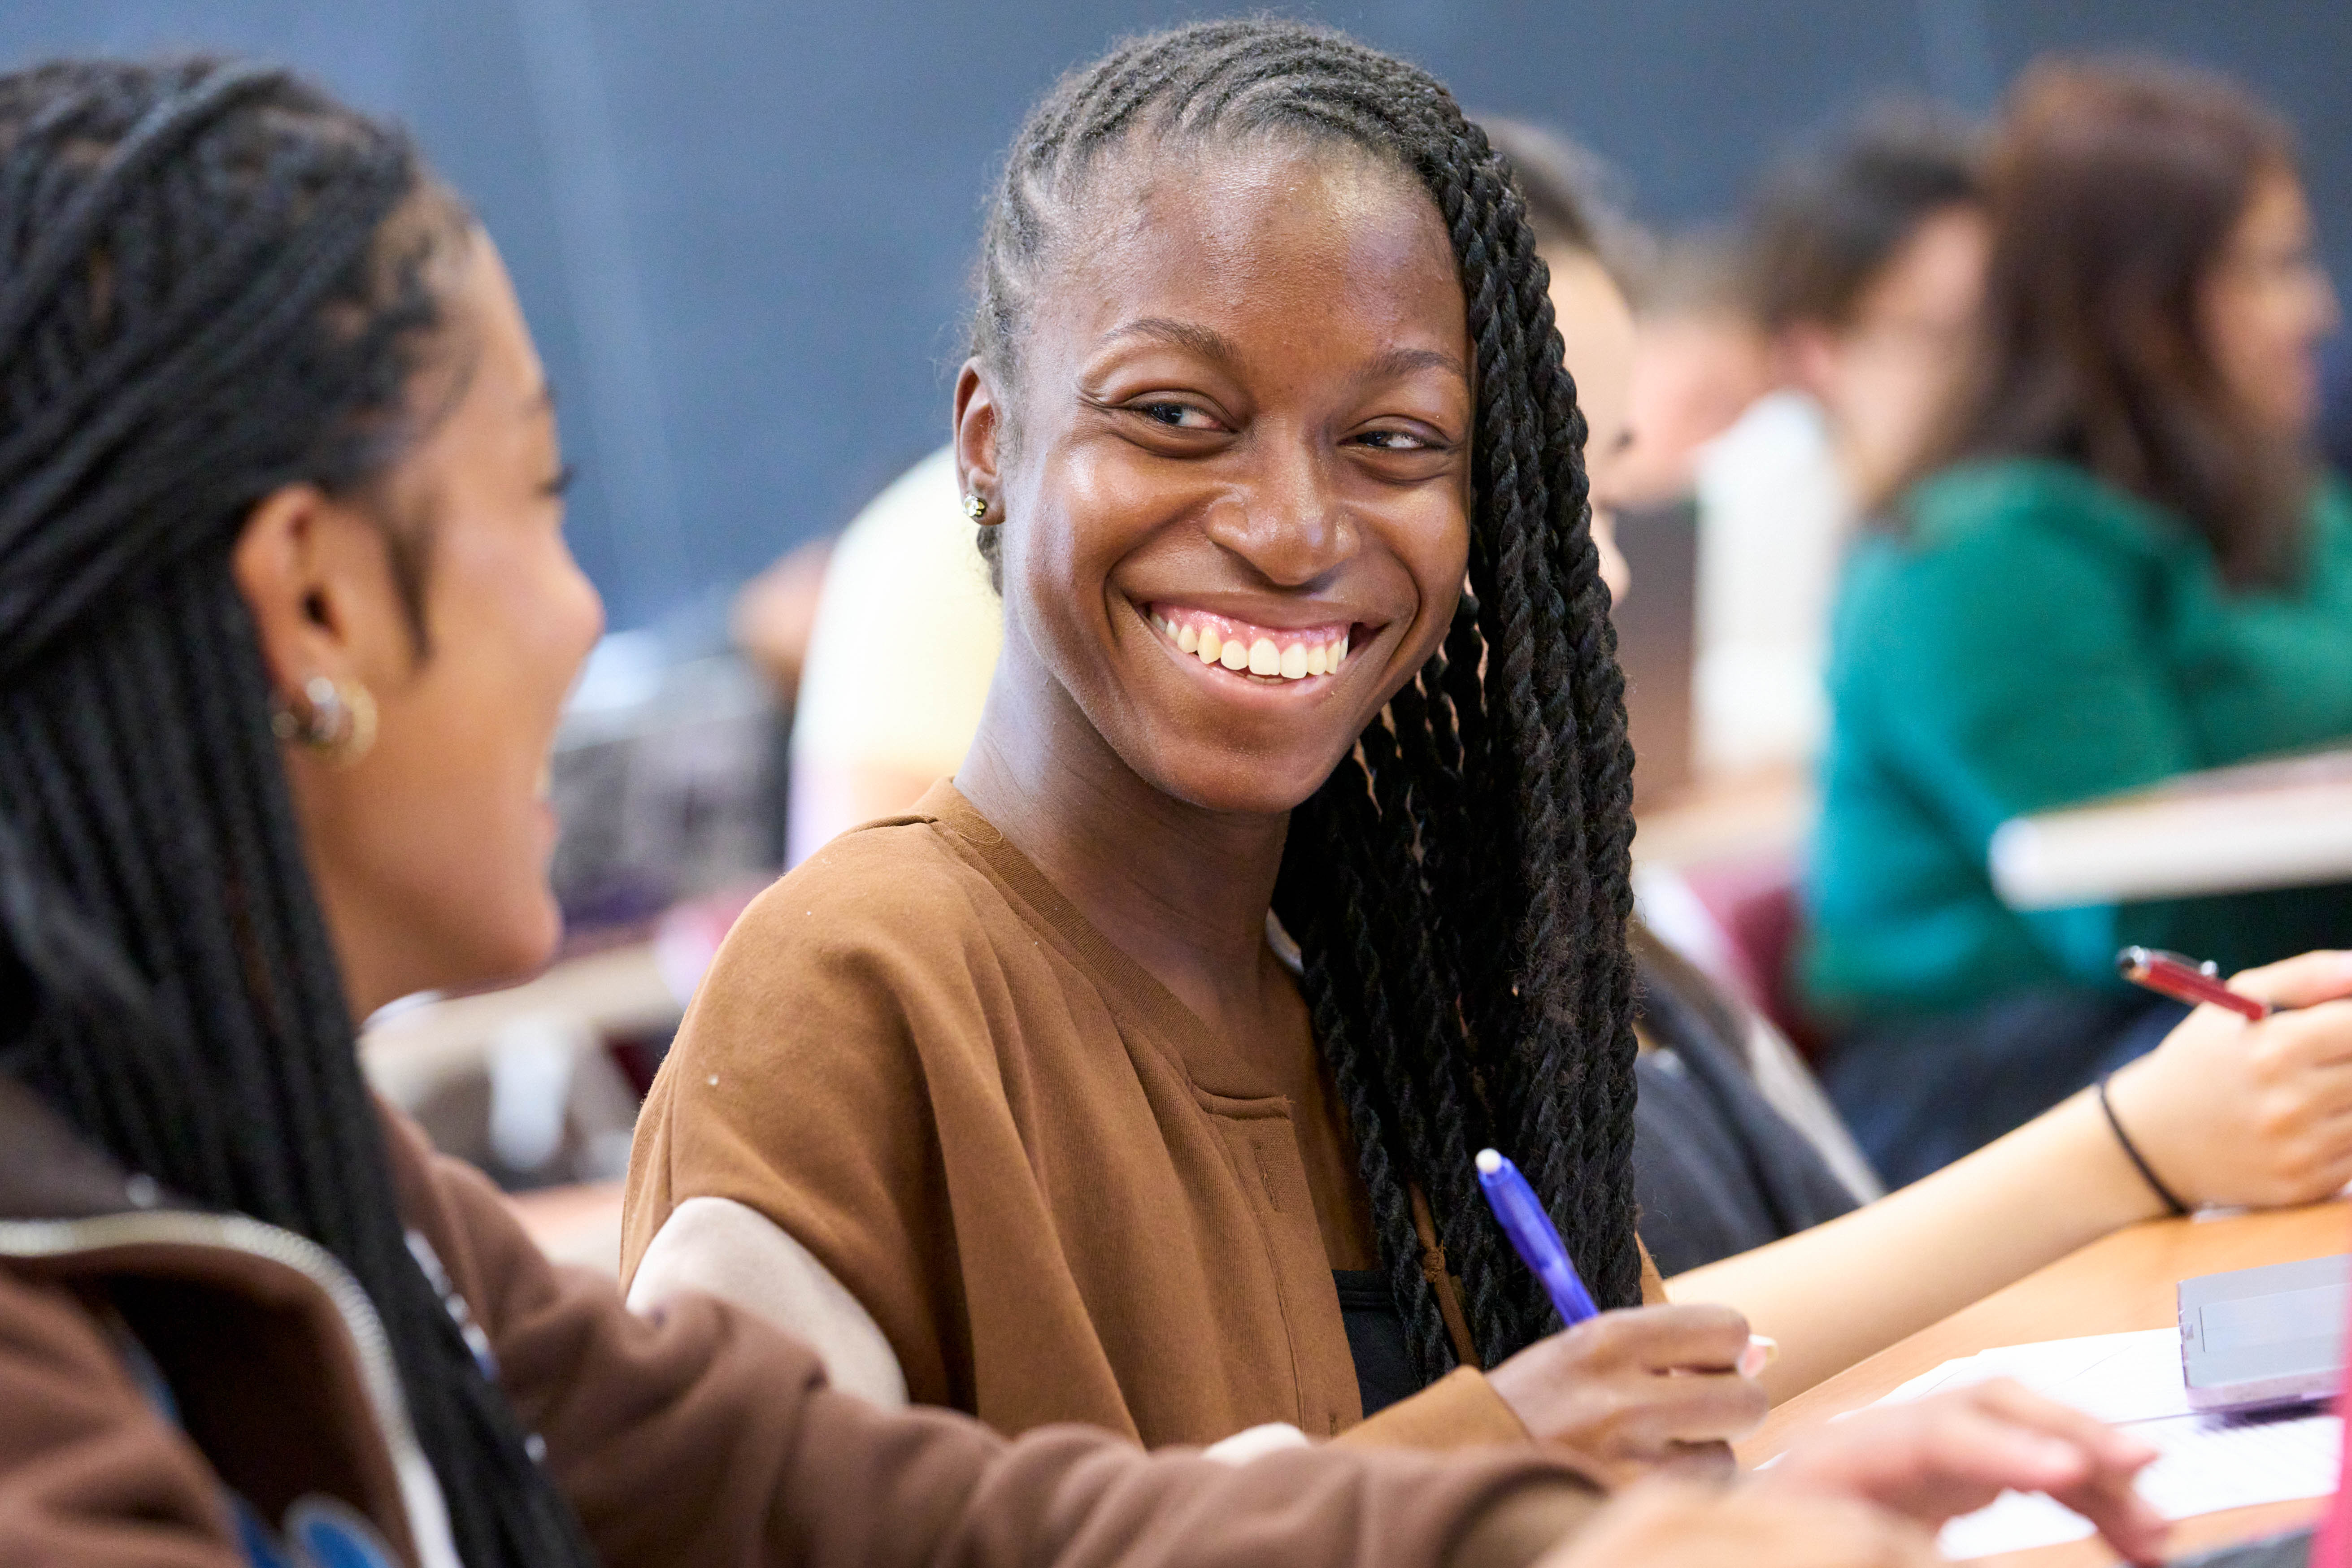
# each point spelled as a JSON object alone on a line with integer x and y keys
{"x": 2121, "y": 565}
{"x": 899, "y": 654}
{"x": 1698, "y": 360}
{"x": 1863, "y": 261}
{"x": 1735, "y": 1145}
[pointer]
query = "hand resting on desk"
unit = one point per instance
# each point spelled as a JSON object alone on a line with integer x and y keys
{"x": 1935, "y": 1458}
{"x": 1869, "y": 1491}
{"x": 2251, "y": 1114}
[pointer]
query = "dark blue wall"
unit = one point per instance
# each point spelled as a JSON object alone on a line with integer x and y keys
{"x": 742, "y": 228}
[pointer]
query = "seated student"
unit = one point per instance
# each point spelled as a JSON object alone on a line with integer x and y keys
{"x": 1863, "y": 264}
{"x": 286, "y": 620}
{"x": 1734, "y": 1146}
{"x": 1122, "y": 1059}
{"x": 905, "y": 637}
{"x": 2123, "y": 565}
{"x": 928, "y": 1109}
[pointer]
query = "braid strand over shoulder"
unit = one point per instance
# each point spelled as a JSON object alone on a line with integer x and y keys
{"x": 1459, "y": 888}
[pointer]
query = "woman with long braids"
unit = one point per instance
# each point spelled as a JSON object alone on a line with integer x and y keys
{"x": 1262, "y": 365}
{"x": 1022, "y": 1104}
{"x": 286, "y": 621}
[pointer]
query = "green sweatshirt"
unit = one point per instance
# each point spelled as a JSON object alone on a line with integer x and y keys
{"x": 2034, "y": 638}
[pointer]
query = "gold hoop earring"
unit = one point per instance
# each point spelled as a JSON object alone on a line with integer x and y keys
{"x": 340, "y": 725}
{"x": 975, "y": 507}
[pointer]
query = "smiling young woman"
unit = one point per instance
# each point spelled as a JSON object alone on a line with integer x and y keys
{"x": 1026, "y": 1089}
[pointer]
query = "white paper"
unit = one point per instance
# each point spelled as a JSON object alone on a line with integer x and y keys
{"x": 2204, "y": 1463}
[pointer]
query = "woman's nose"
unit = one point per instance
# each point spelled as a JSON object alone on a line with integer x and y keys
{"x": 1287, "y": 520}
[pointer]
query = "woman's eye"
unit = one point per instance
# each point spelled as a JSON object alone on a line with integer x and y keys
{"x": 1177, "y": 415}
{"x": 1395, "y": 441}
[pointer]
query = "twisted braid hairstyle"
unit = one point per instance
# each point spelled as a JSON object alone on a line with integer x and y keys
{"x": 214, "y": 282}
{"x": 1458, "y": 887}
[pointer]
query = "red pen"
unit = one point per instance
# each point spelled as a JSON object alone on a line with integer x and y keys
{"x": 2185, "y": 979}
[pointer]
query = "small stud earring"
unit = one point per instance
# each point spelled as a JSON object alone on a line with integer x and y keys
{"x": 975, "y": 507}
{"x": 339, "y": 726}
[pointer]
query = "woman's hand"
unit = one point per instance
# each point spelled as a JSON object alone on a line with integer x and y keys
{"x": 2229, "y": 1111}
{"x": 1672, "y": 1523}
{"x": 1631, "y": 1390}
{"x": 1938, "y": 1457}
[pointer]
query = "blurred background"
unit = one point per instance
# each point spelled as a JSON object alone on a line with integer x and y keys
{"x": 743, "y": 232}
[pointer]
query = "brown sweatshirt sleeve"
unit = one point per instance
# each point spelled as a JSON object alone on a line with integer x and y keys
{"x": 797, "y": 1086}
{"x": 703, "y": 1437}
{"x": 90, "y": 1475}
{"x": 1460, "y": 1410}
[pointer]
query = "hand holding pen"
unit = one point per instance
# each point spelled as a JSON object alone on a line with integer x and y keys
{"x": 2186, "y": 980}
{"x": 2239, "y": 1108}
{"x": 1626, "y": 1389}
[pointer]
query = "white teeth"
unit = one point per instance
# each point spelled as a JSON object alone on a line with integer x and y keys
{"x": 1259, "y": 656}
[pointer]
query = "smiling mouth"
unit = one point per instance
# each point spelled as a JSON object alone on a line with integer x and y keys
{"x": 1274, "y": 655}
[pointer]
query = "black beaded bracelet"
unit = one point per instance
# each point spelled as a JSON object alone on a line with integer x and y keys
{"x": 2132, "y": 1153}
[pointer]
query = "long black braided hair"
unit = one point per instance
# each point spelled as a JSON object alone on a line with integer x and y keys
{"x": 1458, "y": 887}
{"x": 215, "y": 281}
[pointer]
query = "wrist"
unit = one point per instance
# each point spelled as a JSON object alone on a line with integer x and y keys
{"x": 2109, "y": 1185}
{"x": 2144, "y": 1161}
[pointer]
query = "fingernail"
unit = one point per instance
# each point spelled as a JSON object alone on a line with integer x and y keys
{"x": 1762, "y": 1352}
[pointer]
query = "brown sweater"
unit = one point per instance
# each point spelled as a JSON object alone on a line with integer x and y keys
{"x": 700, "y": 1439}
{"x": 1059, "y": 1195}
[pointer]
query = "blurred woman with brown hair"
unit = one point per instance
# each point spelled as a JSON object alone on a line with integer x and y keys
{"x": 2121, "y": 565}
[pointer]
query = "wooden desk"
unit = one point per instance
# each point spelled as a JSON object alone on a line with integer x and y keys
{"x": 2122, "y": 1282}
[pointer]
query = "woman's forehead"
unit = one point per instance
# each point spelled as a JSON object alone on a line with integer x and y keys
{"x": 1329, "y": 230}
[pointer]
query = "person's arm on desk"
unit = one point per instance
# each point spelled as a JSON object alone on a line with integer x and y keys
{"x": 2225, "y": 1111}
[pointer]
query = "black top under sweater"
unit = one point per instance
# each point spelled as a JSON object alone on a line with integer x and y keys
{"x": 1375, "y": 1337}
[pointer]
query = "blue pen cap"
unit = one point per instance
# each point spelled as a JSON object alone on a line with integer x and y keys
{"x": 1533, "y": 1236}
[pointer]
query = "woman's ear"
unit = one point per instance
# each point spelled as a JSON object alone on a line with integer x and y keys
{"x": 979, "y": 428}
{"x": 317, "y": 577}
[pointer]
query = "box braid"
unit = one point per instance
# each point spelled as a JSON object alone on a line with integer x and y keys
{"x": 214, "y": 282}
{"x": 1458, "y": 887}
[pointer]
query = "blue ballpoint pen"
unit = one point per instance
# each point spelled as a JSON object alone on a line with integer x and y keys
{"x": 1539, "y": 1246}
{"x": 1532, "y": 1235}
